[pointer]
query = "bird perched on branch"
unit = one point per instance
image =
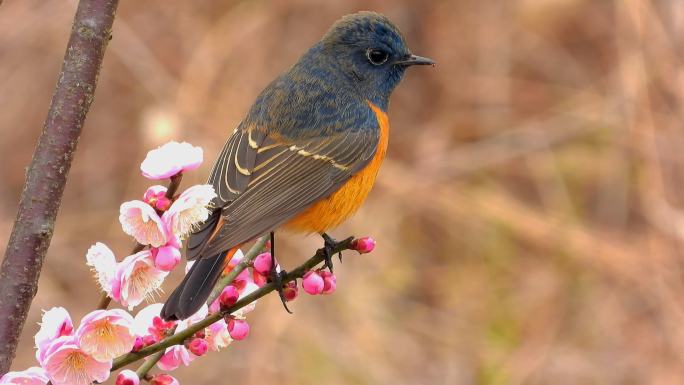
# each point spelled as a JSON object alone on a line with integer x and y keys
{"x": 306, "y": 155}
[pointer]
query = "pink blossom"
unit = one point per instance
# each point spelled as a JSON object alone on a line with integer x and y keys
{"x": 163, "y": 379}
{"x": 31, "y": 376}
{"x": 144, "y": 320}
{"x": 66, "y": 364}
{"x": 249, "y": 288}
{"x": 174, "y": 357}
{"x": 139, "y": 220}
{"x": 263, "y": 263}
{"x": 189, "y": 210}
{"x": 364, "y": 245}
{"x": 155, "y": 196}
{"x": 170, "y": 159}
{"x": 55, "y": 323}
{"x": 102, "y": 262}
{"x": 198, "y": 346}
{"x": 329, "y": 282}
{"x": 228, "y": 296}
{"x": 312, "y": 283}
{"x": 238, "y": 329}
{"x": 106, "y": 334}
{"x": 179, "y": 354}
{"x": 127, "y": 377}
{"x": 137, "y": 279}
{"x": 166, "y": 258}
{"x": 217, "y": 335}
{"x": 291, "y": 291}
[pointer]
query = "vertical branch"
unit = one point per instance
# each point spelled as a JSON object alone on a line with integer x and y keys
{"x": 47, "y": 173}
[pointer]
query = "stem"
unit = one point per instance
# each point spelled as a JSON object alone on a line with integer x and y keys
{"x": 149, "y": 364}
{"x": 174, "y": 183}
{"x": 244, "y": 263}
{"x": 47, "y": 173}
{"x": 178, "y": 338}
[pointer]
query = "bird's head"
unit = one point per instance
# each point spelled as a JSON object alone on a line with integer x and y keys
{"x": 372, "y": 52}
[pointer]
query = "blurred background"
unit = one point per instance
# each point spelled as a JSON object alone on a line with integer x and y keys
{"x": 529, "y": 216}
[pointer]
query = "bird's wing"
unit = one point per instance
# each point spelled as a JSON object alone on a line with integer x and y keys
{"x": 280, "y": 177}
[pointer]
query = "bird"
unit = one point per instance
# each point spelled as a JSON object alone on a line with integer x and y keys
{"x": 307, "y": 153}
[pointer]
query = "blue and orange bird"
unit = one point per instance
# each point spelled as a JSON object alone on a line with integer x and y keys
{"x": 306, "y": 155}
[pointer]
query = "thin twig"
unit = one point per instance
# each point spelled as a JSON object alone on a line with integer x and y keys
{"x": 174, "y": 183}
{"x": 47, "y": 173}
{"x": 178, "y": 338}
{"x": 149, "y": 364}
{"x": 244, "y": 263}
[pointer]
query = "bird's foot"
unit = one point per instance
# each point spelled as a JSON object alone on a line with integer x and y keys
{"x": 329, "y": 247}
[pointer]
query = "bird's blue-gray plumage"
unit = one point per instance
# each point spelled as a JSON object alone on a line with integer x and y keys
{"x": 306, "y": 134}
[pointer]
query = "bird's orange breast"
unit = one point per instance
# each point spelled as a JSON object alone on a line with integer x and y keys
{"x": 340, "y": 205}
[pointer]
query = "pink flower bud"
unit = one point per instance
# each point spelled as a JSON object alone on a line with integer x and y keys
{"x": 259, "y": 279}
{"x": 166, "y": 258}
{"x": 127, "y": 377}
{"x": 263, "y": 264}
{"x": 162, "y": 203}
{"x": 149, "y": 340}
{"x": 329, "y": 282}
{"x": 162, "y": 326}
{"x": 139, "y": 344}
{"x": 229, "y": 296}
{"x": 312, "y": 283}
{"x": 238, "y": 329}
{"x": 290, "y": 291}
{"x": 163, "y": 379}
{"x": 198, "y": 346}
{"x": 364, "y": 245}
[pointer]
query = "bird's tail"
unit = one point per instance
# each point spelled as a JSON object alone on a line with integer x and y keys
{"x": 195, "y": 288}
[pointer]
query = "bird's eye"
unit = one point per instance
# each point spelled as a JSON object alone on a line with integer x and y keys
{"x": 377, "y": 57}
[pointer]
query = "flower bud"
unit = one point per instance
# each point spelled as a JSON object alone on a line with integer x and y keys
{"x": 329, "y": 282}
{"x": 312, "y": 283}
{"x": 290, "y": 291}
{"x": 139, "y": 344}
{"x": 263, "y": 264}
{"x": 229, "y": 296}
{"x": 166, "y": 258}
{"x": 197, "y": 346}
{"x": 127, "y": 377}
{"x": 163, "y": 379}
{"x": 149, "y": 340}
{"x": 238, "y": 329}
{"x": 363, "y": 245}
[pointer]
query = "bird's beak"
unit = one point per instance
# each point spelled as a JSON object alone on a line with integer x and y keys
{"x": 411, "y": 60}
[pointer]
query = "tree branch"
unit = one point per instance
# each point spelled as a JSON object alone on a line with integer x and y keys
{"x": 47, "y": 173}
{"x": 178, "y": 338}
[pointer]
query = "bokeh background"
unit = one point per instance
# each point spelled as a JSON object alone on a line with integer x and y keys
{"x": 529, "y": 217}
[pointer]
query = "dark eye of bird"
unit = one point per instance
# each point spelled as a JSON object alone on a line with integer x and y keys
{"x": 376, "y": 56}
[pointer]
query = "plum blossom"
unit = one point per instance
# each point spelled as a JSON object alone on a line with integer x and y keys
{"x": 127, "y": 377}
{"x": 155, "y": 196}
{"x": 189, "y": 209}
{"x": 102, "y": 262}
{"x": 179, "y": 354}
{"x": 106, "y": 334}
{"x": 313, "y": 283}
{"x": 170, "y": 159}
{"x": 167, "y": 257}
{"x": 163, "y": 379}
{"x": 67, "y": 364}
{"x": 217, "y": 335}
{"x": 263, "y": 263}
{"x": 139, "y": 220}
{"x": 364, "y": 245}
{"x": 238, "y": 329}
{"x": 55, "y": 323}
{"x": 137, "y": 279}
{"x": 31, "y": 376}
{"x": 329, "y": 282}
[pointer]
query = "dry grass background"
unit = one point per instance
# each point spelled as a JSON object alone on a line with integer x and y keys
{"x": 529, "y": 217}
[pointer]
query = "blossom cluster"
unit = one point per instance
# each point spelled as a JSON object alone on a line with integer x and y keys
{"x": 159, "y": 222}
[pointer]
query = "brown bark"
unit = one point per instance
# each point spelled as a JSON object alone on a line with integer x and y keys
{"x": 49, "y": 167}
